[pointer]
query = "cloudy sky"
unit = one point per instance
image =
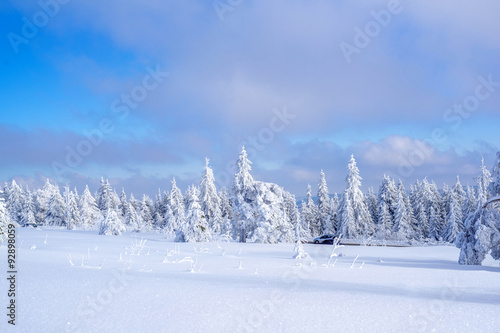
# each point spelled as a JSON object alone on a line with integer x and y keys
{"x": 143, "y": 91}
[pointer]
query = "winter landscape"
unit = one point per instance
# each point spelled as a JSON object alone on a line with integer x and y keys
{"x": 250, "y": 166}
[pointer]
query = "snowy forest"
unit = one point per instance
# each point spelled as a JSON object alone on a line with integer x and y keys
{"x": 254, "y": 211}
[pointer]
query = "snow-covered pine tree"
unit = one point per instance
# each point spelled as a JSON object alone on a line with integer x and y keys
{"x": 195, "y": 227}
{"x": 28, "y": 214}
{"x": 384, "y": 223}
{"x": 461, "y": 197}
{"x": 243, "y": 208}
{"x": 482, "y": 228}
{"x": 310, "y": 214}
{"x": 41, "y": 201}
{"x": 388, "y": 193}
{"x": 324, "y": 217}
{"x": 402, "y": 229}
{"x": 412, "y": 221}
{"x": 483, "y": 181}
{"x": 147, "y": 219}
{"x": 371, "y": 203}
{"x": 361, "y": 225}
{"x": 132, "y": 219}
{"x": 177, "y": 207}
{"x": 209, "y": 199}
{"x": 104, "y": 197}
{"x": 72, "y": 214}
{"x": 57, "y": 211}
{"x": 334, "y": 208}
{"x": 494, "y": 185}
{"x": 123, "y": 206}
{"x": 90, "y": 214}
{"x": 435, "y": 229}
{"x": 111, "y": 224}
{"x": 15, "y": 202}
{"x": 453, "y": 219}
{"x": 4, "y": 219}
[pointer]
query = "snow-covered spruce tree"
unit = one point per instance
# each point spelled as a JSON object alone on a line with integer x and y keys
{"x": 453, "y": 219}
{"x": 419, "y": 204}
{"x": 15, "y": 201}
{"x": 56, "y": 212}
{"x": 159, "y": 212}
{"x": 4, "y": 219}
{"x": 482, "y": 228}
{"x": 132, "y": 219}
{"x": 371, "y": 203}
{"x": 111, "y": 224}
{"x": 435, "y": 211}
{"x": 324, "y": 212}
{"x": 384, "y": 220}
{"x": 470, "y": 204}
{"x": 195, "y": 227}
{"x": 402, "y": 229}
{"x": 388, "y": 193}
{"x": 209, "y": 199}
{"x": 28, "y": 214}
{"x": 293, "y": 216}
{"x": 361, "y": 224}
{"x": 483, "y": 181}
{"x": 226, "y": 228}
{"x": 494, "y": 186}
{"x": 145, "y": 212}
{"x": 90, "y": 214}
{"x": 334, "y": 208}
{"x": 41, "y": 201}
{"x": 412, "y": 221}
{"x": 177, "y": 206}
{"x": 461, "y": 197}
{"x": 123, "y": 206}
{"x": 310, "y": 214}
{"x": 104, "y": 196}
{"x": 72, "y": 214}
{"x": 243, "y": 186}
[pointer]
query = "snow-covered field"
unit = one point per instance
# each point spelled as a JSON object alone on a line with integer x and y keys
{"x": 72, "y": 281}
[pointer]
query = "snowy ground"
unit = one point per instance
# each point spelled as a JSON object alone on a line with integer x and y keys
{"x": 72, "y": 281}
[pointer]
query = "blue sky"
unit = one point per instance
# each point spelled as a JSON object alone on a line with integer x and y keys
{"x": 271, "y": 74}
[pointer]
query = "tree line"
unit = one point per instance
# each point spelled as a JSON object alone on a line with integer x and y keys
{"x": 264, "y": 212}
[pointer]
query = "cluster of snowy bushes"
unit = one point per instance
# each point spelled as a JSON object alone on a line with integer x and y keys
{"x": 265, "y": 212}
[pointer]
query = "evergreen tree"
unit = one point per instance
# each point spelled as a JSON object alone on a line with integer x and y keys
{"x": 402, "y": 229}
{"x": 111, "y": 224}
{"x": 454, "y": 219}
{"x": 57, "y": 211}
{"x": 209, "y": 200}
{"x": 371, "y": 203}
{"x": 494, "y": 185}
{"x": 195, "y": 227}
{"x": 72, "y": 214}
{"x": 15, "y": 201}
{"x": 90, "y": 214}
{"x": 147, "y": 219}
{"x": 123, "y": 206}
{"x": 483, "y": 181}
{"x": 324, "y": 217}
{"x": 243, "y": 208}
{"x": 310, "y": 214}
{"x": 177, "y": 207}
{"x": 384, "y": 225}
{"x": 4, "y": 219}
{"x": 361, "y": 223}
{"x": 28, "y": 211}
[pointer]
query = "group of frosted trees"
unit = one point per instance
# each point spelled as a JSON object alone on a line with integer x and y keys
{"x": 264, "y": 212}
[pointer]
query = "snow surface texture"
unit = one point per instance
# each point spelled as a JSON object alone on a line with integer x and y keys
{"x": 78, "y": 281}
